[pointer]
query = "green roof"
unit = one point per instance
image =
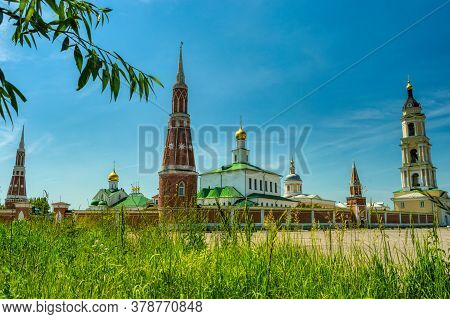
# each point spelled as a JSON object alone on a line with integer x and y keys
{"x": 203, "y": 193}
{"x": 94, "y": 202}
{"x": 243, "y": 202}
{"x": 134, "y": 200}
{"x": 218, "y": 192}
{"x": 238, "y": 167}
{"x": 267, "y": 196}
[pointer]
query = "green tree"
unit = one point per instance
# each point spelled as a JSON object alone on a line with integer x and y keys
{"x": 40, "y": 206}
{"x": 71, "y": 23}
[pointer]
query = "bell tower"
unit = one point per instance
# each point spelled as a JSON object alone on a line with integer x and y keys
{"x": 178, "y": 176}
{"x": 417, "y": 171}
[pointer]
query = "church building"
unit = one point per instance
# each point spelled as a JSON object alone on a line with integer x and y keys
{"x": 108, "y": 197}
{"x": 114, "y": 197}
{"x": 293, "y": 190}
{"x": 241, "y": 183}
{"x": 418, "y": 174}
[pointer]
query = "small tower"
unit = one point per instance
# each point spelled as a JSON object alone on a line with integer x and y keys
{"x": 17, "y": 191}
{"x": 240, "y": 153}
{"x": 113, "y": 180}
{"x": 356, "y": 202}
{"x": 292, "y": 182}
{"x": 178, "y": 176}
{"x": 417, "y": 171}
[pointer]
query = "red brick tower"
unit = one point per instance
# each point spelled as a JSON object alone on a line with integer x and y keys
{"x": 356, "y": 202}
{"x": 17, "y": 191}
{"x": 178, "y": 177}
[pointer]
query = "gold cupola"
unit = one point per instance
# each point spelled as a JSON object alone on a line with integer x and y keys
{"x": 113, "y": 177}
{"x": 240, "y": 133}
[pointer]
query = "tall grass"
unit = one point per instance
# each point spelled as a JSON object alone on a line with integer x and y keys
{"x": 108, "y": 259}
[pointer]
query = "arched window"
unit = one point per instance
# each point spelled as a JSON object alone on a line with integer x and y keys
{"x": 288, "y": 188}
{"x": 181, "y": 189}
{"x": 414, "y": 156}
{"x": 415, "y": 180}
{"x": 411, "y": 129}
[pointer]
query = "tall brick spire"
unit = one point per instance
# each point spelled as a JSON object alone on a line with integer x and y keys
{"x": 17, "y": 191}
{"x": 355, "y": 184}
{"x": 178, "y": 176}
{"x": 356, "y": 201}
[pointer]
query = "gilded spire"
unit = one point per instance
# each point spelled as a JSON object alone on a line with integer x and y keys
{"x": 409, "y": 86}
{"x": 180, "y": 73}
{"x": 22, "y": 141}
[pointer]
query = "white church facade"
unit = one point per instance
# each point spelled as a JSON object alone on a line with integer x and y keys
{"x": 241, "y": 183}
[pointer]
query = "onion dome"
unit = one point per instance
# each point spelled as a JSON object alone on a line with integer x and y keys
{"x": 240, "y": 134}
{"x": 410, "y": 100}
{"x": 113, "y": 177}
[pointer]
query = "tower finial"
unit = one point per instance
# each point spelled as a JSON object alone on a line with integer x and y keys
{"x": 180, "y": 73}
{"x": 22, "y": 141}
{"x": 292, "y": 166}
{"x": 409, "y": 86}
{"x": 240, "y": 120}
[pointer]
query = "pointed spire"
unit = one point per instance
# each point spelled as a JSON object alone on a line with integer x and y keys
{"x": 22, "y": 142}
{"x": 292, "y": 166}
{"x": 354, "y": 179}
{"x": 180, "y": 73}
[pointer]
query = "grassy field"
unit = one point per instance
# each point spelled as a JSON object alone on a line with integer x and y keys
{"x": 110, "y": 260}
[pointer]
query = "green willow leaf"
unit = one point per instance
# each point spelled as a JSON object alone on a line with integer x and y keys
{"x": 84, "y": 76}
{"x": 65, "y": 44}
{"x": 105, "y": 79}
{"x": 78, "y": 57}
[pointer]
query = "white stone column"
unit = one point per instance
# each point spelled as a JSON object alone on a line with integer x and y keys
{"x": 262, "y": 216}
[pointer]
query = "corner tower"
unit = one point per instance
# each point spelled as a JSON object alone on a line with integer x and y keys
{"x": 17, "y": 191}
{"x": 417, "y": 171}
{"x": 356, "y": 201}
{"x": 178, "y": 176}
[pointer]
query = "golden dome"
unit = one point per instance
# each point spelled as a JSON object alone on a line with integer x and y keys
{"x": 409, "y": 86}
{"x": 113, "y": 177}
{"x": 240, "y": 134}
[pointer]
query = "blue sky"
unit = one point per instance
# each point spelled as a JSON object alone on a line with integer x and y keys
{"x": 249, "y": 58}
